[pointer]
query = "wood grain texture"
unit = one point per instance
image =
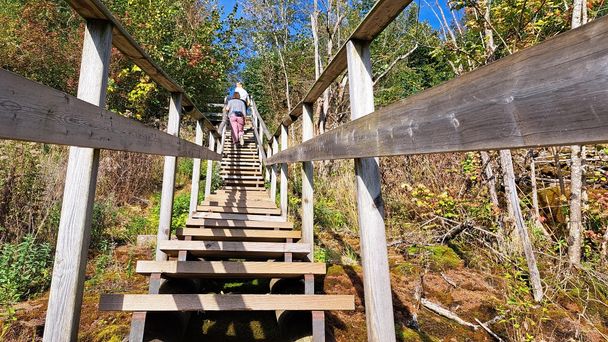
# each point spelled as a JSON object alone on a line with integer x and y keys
{"x": 238, "y": 210}
{"x": 219, "y": 234}
{"x": 196, "y": 170}
{"x": 168, "y": 187}
{"x": 242, "y": 217}
{"x": 307, "y": 183}
{"x": 283, "y": 191}
{"x": 233, "y": 249}
{"x": 533, "y": 98}
{"x": 67, "y": 283}
{"x": 216, "y": 223}
{"x": 370, "y": 206}
{"x": 273, "y": 171}
{"x": 212, "y": 302}
{"x": 30, "y": 111}
{"x": 124, "y": 42}
{"x": 209, "y": 175}
{"x": 376, "y": 20}
{"x": 224, "y": 269}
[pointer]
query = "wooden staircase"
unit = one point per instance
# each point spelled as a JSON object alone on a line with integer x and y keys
{"x": 238, "y": 232}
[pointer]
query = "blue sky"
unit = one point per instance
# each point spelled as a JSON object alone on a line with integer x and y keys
{"x": 426, "y": 14}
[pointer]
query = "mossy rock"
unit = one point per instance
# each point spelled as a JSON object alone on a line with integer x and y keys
{"x": 112, "y": 333}
{"x": 407, "y": 268}
{"x": 410, "y": 335}
{"x": 440, "y": 257}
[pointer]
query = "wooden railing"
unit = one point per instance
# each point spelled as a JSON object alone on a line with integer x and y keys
{"x": 555, "y": 93}
{"x": 33, "y": 112}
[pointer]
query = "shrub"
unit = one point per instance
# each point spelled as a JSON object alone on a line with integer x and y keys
{"x": 25, "y": 269}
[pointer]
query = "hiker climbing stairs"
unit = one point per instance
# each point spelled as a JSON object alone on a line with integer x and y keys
{"x": 237, "y": 232}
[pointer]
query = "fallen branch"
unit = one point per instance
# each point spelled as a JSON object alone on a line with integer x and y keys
{"x": 441, "y": 311}
{"x": 448, "y": 280}
{"x": 453, "y": 232}
{"x": 489, "y": 331}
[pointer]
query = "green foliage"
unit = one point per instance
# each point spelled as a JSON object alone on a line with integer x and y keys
{"x": 439, "y": 257}
{"x": 25, "y": 269}
{"x": 181, "y": 208}
{"x": 327, "y": 216}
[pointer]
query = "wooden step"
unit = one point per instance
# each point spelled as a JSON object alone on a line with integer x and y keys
{"x": 245, "y": 182}
{"x": 237, "y": 224}
{"x": 244, "y": 188}
{"x": 241, "y": 173}
{"x": 240, "y": 204}
{"x": 221, "y": 302}
{"x": 229, "y": 269}
{"x": 241, "y": 169}
{"x": 243, "y": 177}
{"x": 237, "y": 210}
{"x": 255, "y": 201}
{"x": 242, "y": 217}
{"x": 233, "y": 249}
{"x": 219, "y": 234}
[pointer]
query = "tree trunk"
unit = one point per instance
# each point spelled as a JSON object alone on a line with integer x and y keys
{"x": 513, "y": 202}
{"x": 489, "y": 174}
{"x": 560, "y": 175}
{"x": 575, "y": 223}
{"x": 604, "y": 250}
{"x": 535, "y": 208}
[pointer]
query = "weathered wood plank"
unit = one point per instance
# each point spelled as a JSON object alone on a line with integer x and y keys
{"x": 216, "y": 223}
{"x": 124, "y": 42}
{"x": 284, "y": 168}
{"x": 196, "y": 170}
{"x": 242, "y": 217}
{"x": 241, "y": 204}
{"x": 168, "y": 187}
{"x": 378, "y": 18}
{"x": 223, "y": 269}
{"x": 370, "y": 206}
{"x": 30, "y": 111}
{"x": 238, "y": 210}
{"x": 209, "y": 175}
{"x": 233, "y": 249}
{"x": 67, "y": 283}
{"x": 213, "y": 302}
{"x": 307, "y": 183}
{"x": 535, "y": 97}
{"x": 217, "y": 234}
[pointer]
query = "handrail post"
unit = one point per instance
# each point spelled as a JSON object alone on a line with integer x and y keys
{"x": 273, "y": 171}
{"x": 65, "y": 299}
{"x": 374, "y": 256}
{"x": 209, "y": 176}
{"x": 168, "y": 189}
{"x": 307, "y": 183}
{"x": 284, "y": 174}
{"x": 196, "y": 170}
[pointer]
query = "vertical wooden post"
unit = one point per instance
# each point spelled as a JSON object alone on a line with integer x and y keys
{"x": 268, "y": 155}
{"x": 166, "y": 198}
{"x": 273, "y": 176}
{"x": 209, "y": 176}
{"x": 307, "y": 183}
{"x": 374, "y": 256}
{"x": 65, "y": 299}
{"x": 284, "y": 174}
{"x": 196, "y": 170}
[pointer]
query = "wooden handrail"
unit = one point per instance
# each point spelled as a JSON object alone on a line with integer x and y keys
{"x": 254, "y": 110}
{"x": 533, "y": 98}
{"x": 379, "y": 17}
{"x": 124, "y": 42}
{"x": 31, "y": 111}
